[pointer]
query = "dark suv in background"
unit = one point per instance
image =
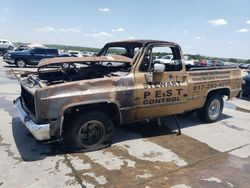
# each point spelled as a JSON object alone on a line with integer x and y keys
{"x": 31, "y": 56}
{"x": 246, "y": 85}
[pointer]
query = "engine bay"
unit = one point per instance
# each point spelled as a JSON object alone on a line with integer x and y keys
{"x": 84, "y": 72}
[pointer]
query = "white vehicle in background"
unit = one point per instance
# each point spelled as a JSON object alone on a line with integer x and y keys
{"x": 166, "y": 59}
{"x": 187, "y": 61}
{"x": 75, "y": 54}
{"x": 6, "y": 45}
{"x": 87, "y": 54}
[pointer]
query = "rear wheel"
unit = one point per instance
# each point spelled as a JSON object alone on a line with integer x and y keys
{"x": 212, "y": 109}
{"x": 20, "y": 63}
{"x": 89, "y": 131}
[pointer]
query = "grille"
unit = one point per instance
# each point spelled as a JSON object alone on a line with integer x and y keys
{"x": 28, "y": 100}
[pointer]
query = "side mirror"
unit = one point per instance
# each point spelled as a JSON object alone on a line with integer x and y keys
{"x": 159, "y": 68}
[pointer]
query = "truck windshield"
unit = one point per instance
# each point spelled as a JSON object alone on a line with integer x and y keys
{"x": 128, "y": 50}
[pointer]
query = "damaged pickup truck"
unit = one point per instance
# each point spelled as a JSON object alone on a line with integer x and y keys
{"x": 83, "y": 103}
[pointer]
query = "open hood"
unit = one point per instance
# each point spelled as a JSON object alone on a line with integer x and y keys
{"x": 71, "y": 60}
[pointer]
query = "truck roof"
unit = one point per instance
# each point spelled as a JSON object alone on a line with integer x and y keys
{"x": 138, "y": 42}
{"x": 71, "y": 60}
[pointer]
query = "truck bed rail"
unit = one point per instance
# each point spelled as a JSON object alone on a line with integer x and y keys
{"x": 194, "y": 68}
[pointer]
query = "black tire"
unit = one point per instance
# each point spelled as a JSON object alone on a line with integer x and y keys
{"x": 212, "y": 109}
{"x": 11, "y": 48}
{"x": 21, "y": 63}
{"x": 88, "y": 132}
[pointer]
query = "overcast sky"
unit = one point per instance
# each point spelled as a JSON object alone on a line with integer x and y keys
{"x": 213, "y": 27}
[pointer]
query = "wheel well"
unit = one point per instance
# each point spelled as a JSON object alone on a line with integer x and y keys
{"x": 109, "y": 109}
{"x": 222, "y": 91}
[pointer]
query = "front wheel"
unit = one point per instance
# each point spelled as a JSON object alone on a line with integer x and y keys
{"x": 20, "y": 63}
{"x": 212, "y": 109}
{"x": 89, "y": 131}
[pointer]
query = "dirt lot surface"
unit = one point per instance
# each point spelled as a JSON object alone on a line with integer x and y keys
{"x": 143, "y": 155}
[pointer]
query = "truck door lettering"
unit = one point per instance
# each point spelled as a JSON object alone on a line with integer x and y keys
{"x": 158, "y": 85}
{"x": 146, "y": 94}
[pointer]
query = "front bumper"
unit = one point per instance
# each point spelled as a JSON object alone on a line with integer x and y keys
{"x": 9, "y": 60}
{"x": 39, "y": 131}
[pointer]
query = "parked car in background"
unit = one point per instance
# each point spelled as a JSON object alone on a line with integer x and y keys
{"x": 202, "y": 62}
{"x": 188, "y": 61}
{"x": 6, "y": 45}
{"x": 30, "y": 57}
{"x": 244, "y": 66}
{"x": 87, "y": 54}
{"x": 166, "y": 59}
{"x": 218, "y": 63}
{"x": 210, "y": 62}
{"x": 215, "y": 63}
{"x": 75, "y": 54}
{"x": 246, "y": 85}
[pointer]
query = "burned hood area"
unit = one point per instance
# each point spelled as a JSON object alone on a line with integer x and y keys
{"x": 53, "y": 71}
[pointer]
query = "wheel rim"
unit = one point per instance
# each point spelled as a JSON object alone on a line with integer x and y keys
{"x": 20, "y": 63}
{"x": 214, "y": 109}
{"x": 91, "y": 133}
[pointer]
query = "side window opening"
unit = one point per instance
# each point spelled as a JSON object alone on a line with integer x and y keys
{"x": 127, "y": 51}
{"x": 39, "y": 51}
{"x": 166, "y": 55}
{"x": 52, "y": 51}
